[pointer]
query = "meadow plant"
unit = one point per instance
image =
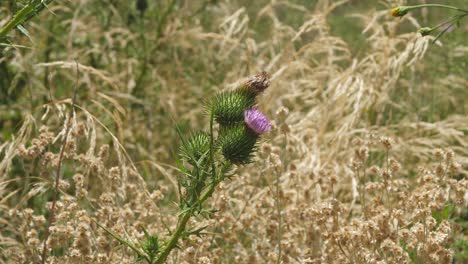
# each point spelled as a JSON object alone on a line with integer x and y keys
{"x": 209, "y": 160}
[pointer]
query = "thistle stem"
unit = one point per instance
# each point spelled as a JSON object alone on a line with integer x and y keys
{"x": 183, "y": 219}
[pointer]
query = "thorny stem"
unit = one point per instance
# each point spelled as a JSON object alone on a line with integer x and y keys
{"x": 59, "y": 167}
{"x": 183, "y": 219}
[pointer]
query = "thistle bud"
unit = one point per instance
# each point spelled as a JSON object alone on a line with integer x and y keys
{"x": 228, "y": 107}
{"x": 237, "y": 143}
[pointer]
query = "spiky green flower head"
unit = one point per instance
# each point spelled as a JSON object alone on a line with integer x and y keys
{"x": 228, "y": 107}
{"x": 238, "y": 142}
{"x": 196, "y": 148}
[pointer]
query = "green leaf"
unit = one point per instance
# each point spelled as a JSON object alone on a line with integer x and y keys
{"x": 197, "y": 232}
{"x": 444, "y": 214}
{"x": 411, "y": 253}
{"x": 25, "y": 32}
{"x": 447, "y": 211}
{"x": 151, "y": 244}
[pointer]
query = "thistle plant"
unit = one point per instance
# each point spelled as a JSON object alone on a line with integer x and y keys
{"x": 444, "y": 27}
{"x": 207, "y": 158}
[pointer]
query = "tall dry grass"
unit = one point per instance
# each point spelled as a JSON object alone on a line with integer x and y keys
{"x": 367, "y": 162}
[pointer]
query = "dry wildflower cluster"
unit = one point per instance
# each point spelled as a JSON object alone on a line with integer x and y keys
{"x": 366, "y": 160}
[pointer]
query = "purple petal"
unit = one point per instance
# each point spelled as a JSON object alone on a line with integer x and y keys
{"x": 256, "y": 120}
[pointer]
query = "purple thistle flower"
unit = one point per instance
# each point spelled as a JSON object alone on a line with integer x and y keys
{"x": 256, "y": 120}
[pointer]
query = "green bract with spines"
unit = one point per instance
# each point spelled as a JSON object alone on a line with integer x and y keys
{"x": 150, "y": 245}
{"x": 237, "y": 143}
{"x": 228, "y": 107}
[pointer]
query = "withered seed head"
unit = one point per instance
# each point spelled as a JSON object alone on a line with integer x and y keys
{"x": 259, "y": 82}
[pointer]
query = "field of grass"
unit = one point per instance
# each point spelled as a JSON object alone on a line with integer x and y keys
{"x": 366, "y": 160}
